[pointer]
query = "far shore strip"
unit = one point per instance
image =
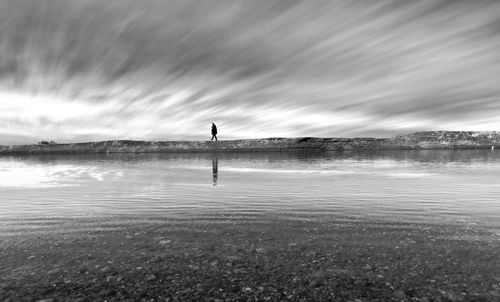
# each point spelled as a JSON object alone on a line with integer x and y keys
{"x": 413, "y": 141}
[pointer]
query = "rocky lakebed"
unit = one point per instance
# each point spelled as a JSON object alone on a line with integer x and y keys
{"x": 267, "y": 260}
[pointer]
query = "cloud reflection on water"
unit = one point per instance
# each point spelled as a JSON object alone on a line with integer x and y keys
{"x": 16, "y": 174}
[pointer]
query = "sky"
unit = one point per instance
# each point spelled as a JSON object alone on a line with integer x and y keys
{"x": 87, "y": 70}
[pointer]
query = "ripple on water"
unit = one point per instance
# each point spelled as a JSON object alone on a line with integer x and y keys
{"x": 42, "y": 195}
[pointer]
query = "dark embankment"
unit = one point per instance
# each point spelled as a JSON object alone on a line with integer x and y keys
{"x": 418, "y": 140}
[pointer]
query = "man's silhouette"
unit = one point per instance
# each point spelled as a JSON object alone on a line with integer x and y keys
{"x": 214, "y": 132}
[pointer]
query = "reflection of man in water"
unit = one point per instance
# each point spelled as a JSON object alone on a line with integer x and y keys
{"x": 214, "y": 132}
{"x": 215, "y": 169}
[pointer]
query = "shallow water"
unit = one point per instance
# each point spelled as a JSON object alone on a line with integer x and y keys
{"x": 86, "y": 192}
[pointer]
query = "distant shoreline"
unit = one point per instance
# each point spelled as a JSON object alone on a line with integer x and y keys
{"x": 413, "y": 141}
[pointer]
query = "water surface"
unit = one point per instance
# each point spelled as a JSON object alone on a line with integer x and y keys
{"x": 79, "y": 192}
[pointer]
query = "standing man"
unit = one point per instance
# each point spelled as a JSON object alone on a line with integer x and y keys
{"x": 214, "y": 132}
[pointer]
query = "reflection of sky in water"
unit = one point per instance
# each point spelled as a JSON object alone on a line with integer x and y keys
{"x": 19, "y": 174}
{"x": 340, "y": 170}
{"x": 29, "y": 175}
{"x": 439, "y": 187}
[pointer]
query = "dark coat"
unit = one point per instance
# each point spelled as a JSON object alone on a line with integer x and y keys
{"x": 214, "y": 129}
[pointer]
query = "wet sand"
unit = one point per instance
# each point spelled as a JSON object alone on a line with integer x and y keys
{"x": 268, "y": 259}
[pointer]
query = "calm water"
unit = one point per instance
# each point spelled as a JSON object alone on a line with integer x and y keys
{"x": 75, "y": 192}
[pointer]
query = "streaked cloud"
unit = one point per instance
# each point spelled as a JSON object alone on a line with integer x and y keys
{"x": 92, "y": 70}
